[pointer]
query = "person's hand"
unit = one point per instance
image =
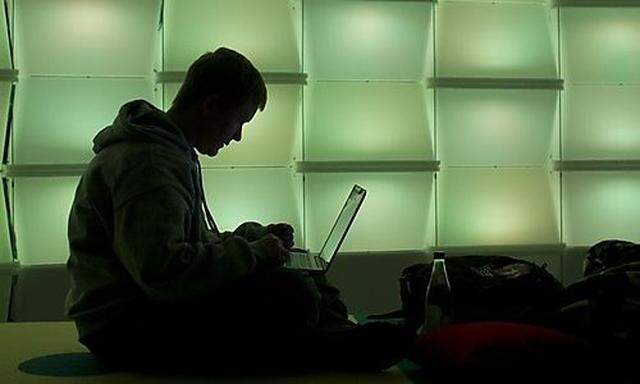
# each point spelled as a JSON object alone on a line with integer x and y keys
{"x": 284, "y": 232}
{"x": 271, "y": 248}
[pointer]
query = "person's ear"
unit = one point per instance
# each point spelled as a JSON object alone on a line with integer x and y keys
{"x": 210, "y": 105}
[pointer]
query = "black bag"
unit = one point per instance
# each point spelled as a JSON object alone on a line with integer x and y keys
{"x": 484, "y": 288}
{"x": 610, "y": 253}
{"x": 604, "y": 307}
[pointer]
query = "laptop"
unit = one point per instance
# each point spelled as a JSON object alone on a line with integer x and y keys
{"x": 303, "y": 260}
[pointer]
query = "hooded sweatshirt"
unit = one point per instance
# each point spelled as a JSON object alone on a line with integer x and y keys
{"x": 136, "y": 228}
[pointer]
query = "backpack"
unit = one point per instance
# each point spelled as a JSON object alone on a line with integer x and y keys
{"x": 484, "y": 288}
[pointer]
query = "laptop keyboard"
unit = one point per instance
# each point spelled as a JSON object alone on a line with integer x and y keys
{"x": 300, "y": 260}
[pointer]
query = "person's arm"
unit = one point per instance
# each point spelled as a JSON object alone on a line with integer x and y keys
{"x": 252, "y": 231}
{"x": 150, "y": 238}
{"x": 249, "y": 230}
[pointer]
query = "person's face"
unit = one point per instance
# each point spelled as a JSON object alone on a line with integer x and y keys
{"x": 221, "y": 125}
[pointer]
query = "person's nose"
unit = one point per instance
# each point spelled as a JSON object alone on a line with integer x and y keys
{"x": 238, "y": 135}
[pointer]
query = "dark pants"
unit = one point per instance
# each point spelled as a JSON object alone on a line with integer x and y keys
{"x": 271, "y": 319}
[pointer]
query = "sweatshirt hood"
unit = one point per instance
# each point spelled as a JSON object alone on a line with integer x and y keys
{"x": 140, "y": 121}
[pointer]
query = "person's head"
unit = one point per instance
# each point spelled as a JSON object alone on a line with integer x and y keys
{"x": 221, "y": 92}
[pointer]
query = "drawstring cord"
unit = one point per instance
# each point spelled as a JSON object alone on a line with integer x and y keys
{"x": 212, "y": 224}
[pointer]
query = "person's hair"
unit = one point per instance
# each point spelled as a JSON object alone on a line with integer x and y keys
{"x": 226, "y": 73}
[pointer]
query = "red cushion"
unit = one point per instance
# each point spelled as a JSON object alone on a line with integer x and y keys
{"x": 495, "y": 345}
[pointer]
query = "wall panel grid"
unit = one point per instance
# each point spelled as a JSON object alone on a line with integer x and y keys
{"x": 467, "y": 120}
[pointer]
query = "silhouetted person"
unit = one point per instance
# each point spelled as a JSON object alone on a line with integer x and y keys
{"x": 155, "y": 284}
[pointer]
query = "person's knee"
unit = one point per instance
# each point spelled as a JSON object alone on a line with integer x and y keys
{"x": 294, "y": 294}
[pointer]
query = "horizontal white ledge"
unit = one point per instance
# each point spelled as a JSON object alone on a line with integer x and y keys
{"x": 495, "y": 83}
{"x": 42, "y": 170}
{"x": 86, "y": 76}
{"x": 596, "y": 165}
{"x": 597, "y": 3}
{"x": 9, "y": 75}
{"x": 366, "y": 166}
{"x": 479, "y": 167}
{"x": 269, "y": 77}
{"x": 617, "y": 84}
{"x": 67, "y": 170}
{"x": 366, "y": 81}
{"x": 391, "y": 253}
{"x": 501, "y": 249}
{"x": 227, "y": 167}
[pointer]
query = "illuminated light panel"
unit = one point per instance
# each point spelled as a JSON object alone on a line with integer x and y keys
{"x": 602, "y": 122}
{"x": 42, "y": 207}
{"x": 600, "y": 206}
{"x": 495, "y": 40}
{"x": 273, "y": 137}
{"x": 396, "y": 214}
{"x": 98, "y": 37}
{"x": 601, "y": 45}
{"x": 5, "y": 243}
{"x": 372, "y": 121}
{"x": 503, "y": 127}
{"x": 262, "y": 195}
{"x": 5, "y": 96}
{"x": 497, "y": 207}
{"x": 359, "y": 39}
{"x": 268, "y": 33}
{"x": 57, "y": 119}
{"x": 5, "y": 59}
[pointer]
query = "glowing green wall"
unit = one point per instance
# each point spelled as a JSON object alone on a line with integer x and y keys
{"x": 601, "y": 61}
{"x": 5, "y": 58}
{"x": 267, "y": 32}
{"x": 5, "y": 91}
{"x": 367, "y": 121}
{"x": 495, "y": 39}
{"x": 42, "y": 207}
{"x": 366, "y": 99}
{"x": 366, "y": 40}
{"x": 5, "y": 245}
{"x": 57, "y": 118}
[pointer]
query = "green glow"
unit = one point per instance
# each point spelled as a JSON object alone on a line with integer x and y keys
{"x": 602, "y": 122}
{"x": 496, "y": 207}
{"x": 487, "y": 127}
{"x": 267, "y": 32}
{"x": 495, "y": 40}
{"x": 43, "y": 238}
{"x": 373, "y": 121}
{"x": 600, "y": 206}
{"x": 5, "y": 93}
{"x": 395, "y": 214}
{"x": 608, "y": 39}
{"x": 5, "y": 61}
{"x": 42, "y": 208}
{"x": 262, "y": 195}
{"x": 99, "y": 37}
{"x": 273, "y": 137}
{"x": 56, "y": 119}
{"x": 360, "y": 39}
{"x": 5, "y": 244}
